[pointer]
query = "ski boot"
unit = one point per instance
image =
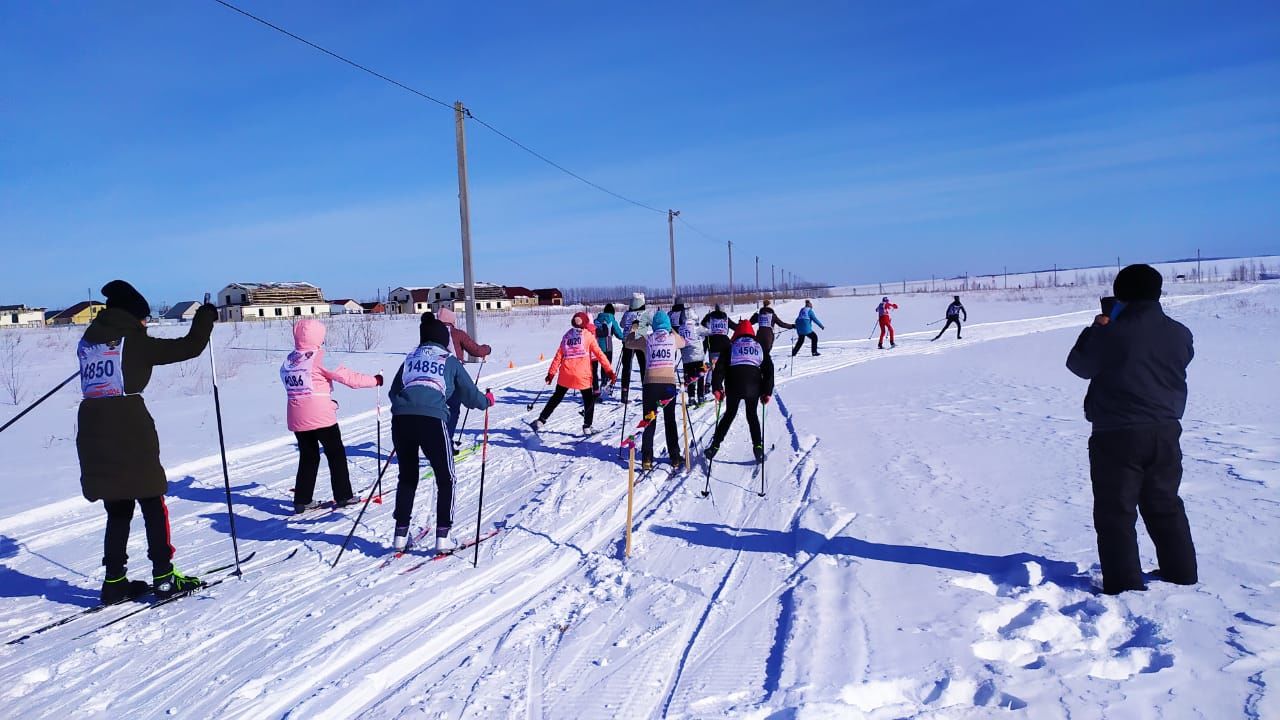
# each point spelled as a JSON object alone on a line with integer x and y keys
{"x": 587, "y": 430}
{"x": 401, "y": 539}
{"x": 122, "y": 589}
{"x": 677, "y": 461}
{"x": 346, "y": 503}
{"x": 537, "y": 425}
{"x": 758, "y": 450}
{"x": 646, "y": 465}
{"x": 880, "y": 346}
{"x": 175, "y": 583}
{"x": 815, "y": 353}
{"x": 893, "y": 344}
{"x": 299, "y": 508}
{"x": 445, "y": 545}
{"x": 710, "y": 452}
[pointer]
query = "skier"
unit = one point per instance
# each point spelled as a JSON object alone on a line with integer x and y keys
{"x": 312, "y": 414}
{"x": 1135, "y": 360}
{"x": 660, "y": 347}
{"x": 694, "y": 358}
{"x": 886, "y": 323}
{"x": 459, "y": 341}
{"x": 954, "y": 311}
{"x": 747, "y": 374}
{"x": 679, "y": 313}
{"x": 420, "y": 392}
{"x": 116, "y": 441}
{"x": 607, "y": 329}
{"x": 717, "y": 340}
{"x": 577, "y": 352}
{"x": 635, "y": 318}
{"x": 765, "y": 319}
{"x": 805, "y": 320}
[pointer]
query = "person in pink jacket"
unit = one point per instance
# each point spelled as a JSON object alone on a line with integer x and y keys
{"x": 459, "y": 341}
{"x": 313, "y": 413}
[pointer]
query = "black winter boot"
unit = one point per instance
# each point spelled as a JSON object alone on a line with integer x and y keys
{"x": 122, "y": 589}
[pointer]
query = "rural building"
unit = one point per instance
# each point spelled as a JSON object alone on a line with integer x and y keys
{"x": 549, "y": 296}
{"x": 270, "y": 301}
{"x": 521, "y": 297}
{"x": 345, "y": 306}
{"x": 411, "y": 300}
{"x": 373, "y": 308}
{"x": 489, "y": 297}
{"x": 183, "y": 311}
{"x": 21, "y": 316}
{"x": 82, "y": 313}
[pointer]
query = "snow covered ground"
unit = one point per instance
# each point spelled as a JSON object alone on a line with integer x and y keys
{"x": 924, "y": 549}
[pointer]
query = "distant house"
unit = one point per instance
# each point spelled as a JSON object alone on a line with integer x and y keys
{"x": 489, "y": 297}
{"x": 371, "y": 308}
{"x": 270, "y": 301}
{"x": 411, "y": 300}
{"x": 549, "y": 296}
{"x": 21, "y": 316}
{"x": 520, "y": 297}
{"x": 82, "y": 313}
{"x": 345, "y": 306}
{"x": 183, "y": 311}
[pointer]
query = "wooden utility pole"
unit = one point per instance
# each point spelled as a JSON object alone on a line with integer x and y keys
{"x": 732, "y": 300}
{"x": 464, "y": 211}
{"x": 773, "y": 281}
{"x": 1198, "y": 265}
{"x": 671, "y": 238}
{"x": 759, "y": 297}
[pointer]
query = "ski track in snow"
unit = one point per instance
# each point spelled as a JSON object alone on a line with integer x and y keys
{"x": 553, "y": 622}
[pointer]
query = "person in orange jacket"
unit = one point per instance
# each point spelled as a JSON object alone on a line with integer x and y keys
{"x": 578, "y": 348}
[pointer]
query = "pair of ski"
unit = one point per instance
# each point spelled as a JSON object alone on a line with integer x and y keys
{"x": 220, "y": 575}
{"x": 422, "y": 535}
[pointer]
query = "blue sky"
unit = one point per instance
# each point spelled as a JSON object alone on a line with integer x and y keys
{"x": 182, "y": 146}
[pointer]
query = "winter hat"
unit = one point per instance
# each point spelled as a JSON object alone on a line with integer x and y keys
{"x": 1134, "y": 283}
{"x": 608, "y": 308}
{"x": 679, "y": 301}
{"x": 661, "y": 321}
{"x": 768, "y": 302}
{"x": 744, "y": 329}
{"x": 120, "y": 294}
{"x": 809, "y": 303}
{"x": 883, "y": 299}
{"x": 637, "y": 301}
{"x": 447, "y": 316}
{"x": 957, "y": 297}
{"x": 432, "y": 330}
{"x": 580, "y": 320}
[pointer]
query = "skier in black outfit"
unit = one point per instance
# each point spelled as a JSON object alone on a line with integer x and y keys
{"x": 954, "y": 311}
{"x": 765, "y": 320}
{"x": 679, "y": 313}
{"x": 635, "y": 318}
{"x": 1136, "y": 361}
{"x": 745, "y": 373}
{"x": 717, "y": 340}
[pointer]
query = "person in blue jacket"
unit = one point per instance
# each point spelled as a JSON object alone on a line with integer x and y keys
{"x": 804, "y": 328}
{"x": 428, "y": 378}
{"x": 607, "y": 328}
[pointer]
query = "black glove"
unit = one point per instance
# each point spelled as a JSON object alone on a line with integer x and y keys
{"x": 208, "y": 310}
{"x": 378, "y": 377}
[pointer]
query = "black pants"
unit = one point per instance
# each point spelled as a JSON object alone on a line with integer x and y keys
{"x": 588, "y": 404}
{"x": 598, "y": 376}
{"x": 309, "y": 442}
{"x": 696, "y": 377}
{"x": 731, "y": 403}
{"x": 411, "y": 433}
{"x": 950, "y": 320}
{"x": 653, "y": 395}
{"x": 764, "y": 336}
{"x": 625, "y": 375}
{"x": 1138, "y": 471}
{"x": 813, "y": 340}
{"x": 116, "y": 542}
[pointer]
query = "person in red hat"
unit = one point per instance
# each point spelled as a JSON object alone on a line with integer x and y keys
{"x": 745, "y": 374}
{"x": 578, "y": 348}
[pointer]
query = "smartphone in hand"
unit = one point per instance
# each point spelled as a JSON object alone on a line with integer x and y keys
{"x": 1108, "y": 304}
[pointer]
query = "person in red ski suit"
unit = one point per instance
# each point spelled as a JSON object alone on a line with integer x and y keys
{"x": 886, "y": 323}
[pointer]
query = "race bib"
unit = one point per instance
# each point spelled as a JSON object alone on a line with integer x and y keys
{"x": 662, "y": 350}
{"x": 101, "y": 373}
{"x": 746, "y": 352}
{"x": 720, "y": 326}
{"x": 628, "y": 318}
{"x": 295, "y": 373}
{"x": 425, "y": 367}
{"x": 572, "y": 345}
{"x": 687, "y": 333}
{"x": 765, "y": 320}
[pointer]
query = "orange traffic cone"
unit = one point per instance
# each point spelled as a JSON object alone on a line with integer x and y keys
{"x": 541, "y": 357}
{"x": 511, "y": 364}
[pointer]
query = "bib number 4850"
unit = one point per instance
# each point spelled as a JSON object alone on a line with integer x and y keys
{"x": 98, "y": 369}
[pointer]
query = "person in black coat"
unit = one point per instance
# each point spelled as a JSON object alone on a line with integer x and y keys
{"x": 745, "y": 373}
{"x": 765, "y": 320}
{"x": 116, "y": 441}
{"x": 717, "y": 339}
{"x": 954, "y": 310}
{"x": 1135, "y": 360}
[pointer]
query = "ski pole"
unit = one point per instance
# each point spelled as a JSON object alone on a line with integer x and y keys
{"x": 379, "y": 411}
{"x": 222, "y": 447}
{"x": 707, "y": 490}
{"x": 535, "y": 400}
{"x": 467, "y": 415}
{"x": 874, "y": 325}
{"x": 377, "y": 483}
{"x": 935, "y": 322}
{"x": 764, "y": 414}
{"x": 33, "y": 405}
{"x": 484, "y": 461}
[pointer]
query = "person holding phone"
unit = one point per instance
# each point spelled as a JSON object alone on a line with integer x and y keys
{"x": 1135, "y": 358}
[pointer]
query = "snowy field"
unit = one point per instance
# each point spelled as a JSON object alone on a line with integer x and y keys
{"x": 925, "y": 548}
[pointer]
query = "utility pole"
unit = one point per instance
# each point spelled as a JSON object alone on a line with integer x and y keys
{"x": 732, "y": 303}
{"x": 464, "y": 212}
{"x": 759, "y": 297}
{"x": 671, "y": 237}
{"x": 773, "y": 281}
{"x": 1197, "y": 265}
